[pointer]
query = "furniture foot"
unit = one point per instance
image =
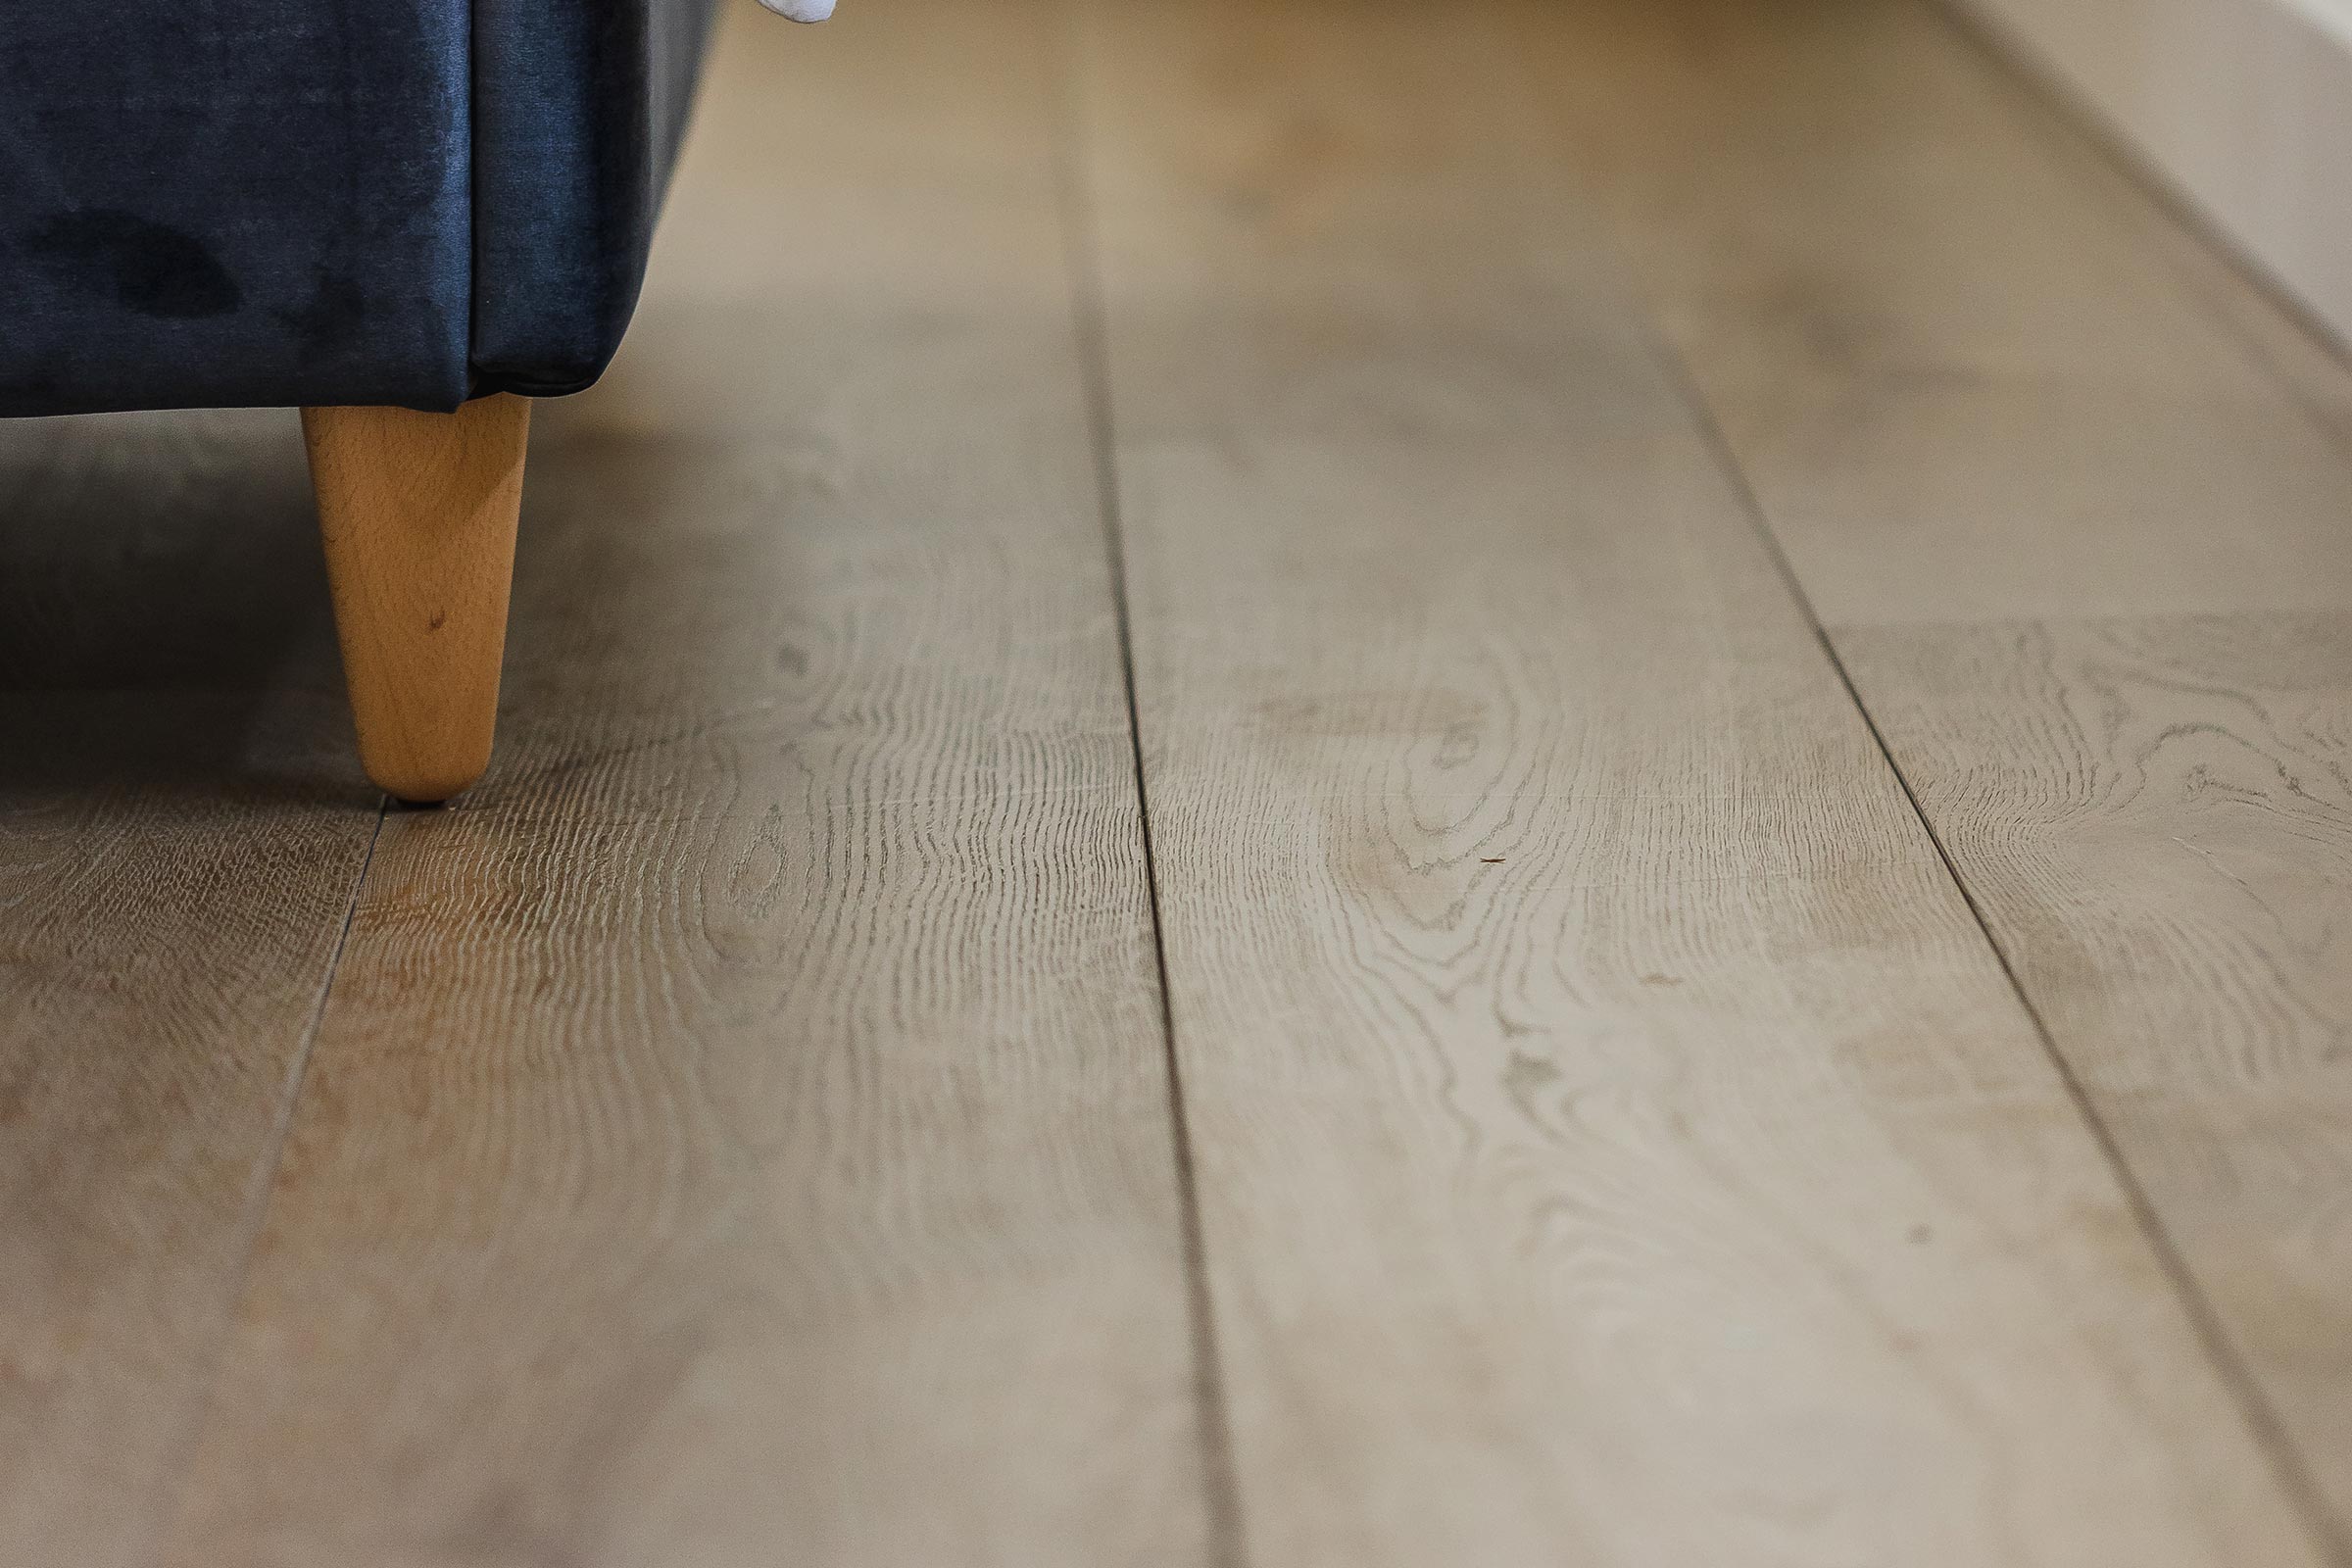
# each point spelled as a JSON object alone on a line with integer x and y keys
{"x": 417, "y": 511}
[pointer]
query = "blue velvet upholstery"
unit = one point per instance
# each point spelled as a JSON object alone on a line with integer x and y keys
{"x": 268, "y": 202}
{"x": 578, "y": 108}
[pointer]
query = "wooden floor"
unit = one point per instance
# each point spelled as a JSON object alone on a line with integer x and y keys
{"x": 1312, "y": 785}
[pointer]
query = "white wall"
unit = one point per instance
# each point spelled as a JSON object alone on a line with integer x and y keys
{"x": 2244, "y": 106}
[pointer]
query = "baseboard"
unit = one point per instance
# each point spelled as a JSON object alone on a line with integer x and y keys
{"x": 2242, "y": 107}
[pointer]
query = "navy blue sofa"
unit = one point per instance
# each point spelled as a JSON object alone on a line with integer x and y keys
{"x": 407, "y": 209}
{"x": 235, "y": 203}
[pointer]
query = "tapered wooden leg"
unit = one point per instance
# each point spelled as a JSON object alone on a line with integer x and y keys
{"x": 418, "y": 511}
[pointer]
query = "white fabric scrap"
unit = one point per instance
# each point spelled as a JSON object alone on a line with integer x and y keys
{"x": 801, "y": 10}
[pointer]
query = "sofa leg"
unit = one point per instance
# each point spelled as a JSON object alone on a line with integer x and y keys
{"x": 417, "y": 511}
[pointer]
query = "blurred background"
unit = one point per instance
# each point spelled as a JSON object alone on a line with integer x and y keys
{"x": 1314, "y": 782}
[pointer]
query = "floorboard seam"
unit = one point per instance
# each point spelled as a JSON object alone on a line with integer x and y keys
{"x": 255, "y": 1208}
{"x": 1090, "y": 322}
{"x": 2262, "y": 1425}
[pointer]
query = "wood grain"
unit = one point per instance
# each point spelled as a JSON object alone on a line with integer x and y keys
{"x": 2072, "y": 499}
{"x": 181, "y": 830}
{"x": 1616, "y": 1141}
{"x": 417, "y": 514}
{"x": 2157, "y": 813}
{"x": 739, "y": 1133}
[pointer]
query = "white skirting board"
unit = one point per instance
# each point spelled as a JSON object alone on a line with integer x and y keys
{"x": 2243, "y": 107}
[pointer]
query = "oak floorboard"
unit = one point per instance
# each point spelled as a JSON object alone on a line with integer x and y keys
{"x": 181, "y": 832}
{"x": 2071, "y": 495}
{"x": 739, "y": 1133}
{"x": 1616, "y": 1141}
{"x": 2156, "y": 814}
{"x": 1973, "y": 372}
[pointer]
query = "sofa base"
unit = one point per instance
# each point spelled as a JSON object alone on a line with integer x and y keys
{"x": 419, "y": 513}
